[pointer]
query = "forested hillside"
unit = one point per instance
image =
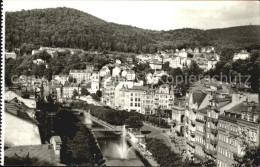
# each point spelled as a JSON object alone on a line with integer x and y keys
{"x": 65, "y": 27}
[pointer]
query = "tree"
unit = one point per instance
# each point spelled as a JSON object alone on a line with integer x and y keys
{"x": 65, "y": 124}
{"x": 17, "y": 160}
{"x": 95, "y": 97}
{"x": 75, "y": 93}
{"x": 134, "y": 122}
{"x": 99, "y": 93}
{"x": 250, "y": 158}
{"x": 85, "y": 92}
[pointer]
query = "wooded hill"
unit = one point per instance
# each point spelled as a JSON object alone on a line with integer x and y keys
{"x": 66, "y": 27}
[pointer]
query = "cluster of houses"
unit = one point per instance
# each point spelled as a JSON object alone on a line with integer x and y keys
{"x": 51, "y": 50}
{"x": 210, "y": 118}
{"x": 215, "y": 122}
{"x": 205, "y": 57}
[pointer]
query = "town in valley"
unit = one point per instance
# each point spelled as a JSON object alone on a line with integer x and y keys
{"x": 83, "y": 102}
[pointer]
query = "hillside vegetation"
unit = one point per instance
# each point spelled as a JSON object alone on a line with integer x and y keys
{"x": 66, "y": 27}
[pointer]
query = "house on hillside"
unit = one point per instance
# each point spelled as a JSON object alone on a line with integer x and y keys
{"x": 243, "y": 54}
{"x": 10, "y": 55}
{"x": 155, "y": 64}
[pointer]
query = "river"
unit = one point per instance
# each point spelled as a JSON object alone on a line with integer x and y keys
{"x": 108, "y": 142}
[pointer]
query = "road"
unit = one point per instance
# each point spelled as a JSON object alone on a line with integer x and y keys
{"x": 158, "y": 133}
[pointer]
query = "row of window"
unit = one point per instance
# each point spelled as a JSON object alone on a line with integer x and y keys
{"x": 199, "y": 128}
{"x": 228, "y": 126}
{"x": 225, "y": 138}
{"x": 222, "y": 164}
{"x": 225, "y": 152}
{"x": 136, "y": 99}
{"x": 212, "y": 114}
{"x": 135, "y": 104}
{"x": 200, "y": 139}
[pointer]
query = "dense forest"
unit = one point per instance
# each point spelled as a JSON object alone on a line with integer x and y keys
{"x": 65, "y": 27}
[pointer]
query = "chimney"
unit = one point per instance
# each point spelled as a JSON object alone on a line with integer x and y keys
{"x": 56, "y": 142}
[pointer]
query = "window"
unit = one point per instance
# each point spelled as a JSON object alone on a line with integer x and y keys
{"x": 131, "y": 104}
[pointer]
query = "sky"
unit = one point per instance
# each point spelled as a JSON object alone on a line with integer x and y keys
{"x": 158, "y": 15}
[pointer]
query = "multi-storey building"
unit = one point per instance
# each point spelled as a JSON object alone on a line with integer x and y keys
{"x": 131, "y": 98}
{"x": 238, "y": 127}
{"x": 66, "y": 91}
{"x": 243, "y": 54}
{"x": 148, "y": 101}
{"x": 178, "y": 116}
{"x": 105, "y": 71}
{"x": 197, "y": 101}
{"x": 62, "y": 79}
{"x": 80, "y": 76}
{"x": 108, "y": 94}
{"x": 145, "y": 100}
{"x": 164, "y": 97}
{"x": 155, "y": 64}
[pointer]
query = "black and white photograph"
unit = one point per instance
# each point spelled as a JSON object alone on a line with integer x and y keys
{"x": 130, "y": 83}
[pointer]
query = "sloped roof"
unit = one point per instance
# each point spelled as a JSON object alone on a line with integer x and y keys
{"x": 198, "y": 97}
{"x": 244, "y": 107}
{"x": 9, "y": 95}
{"x": 43, "y": 154}
{"x": 19, "y": 111}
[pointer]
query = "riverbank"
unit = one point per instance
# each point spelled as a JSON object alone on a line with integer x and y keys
{"x": 147, "y": 160}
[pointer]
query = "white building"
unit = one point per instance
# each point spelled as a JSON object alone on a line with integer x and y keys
{"x": 10, "y": 55}
{"x": 180, "y": 62}
{"x": 241, "y": 55}
{"x": 105, "y": 71}
{"x": 118, "y": 62}
{"x": 39, "y": 61}
{"x": 60, "y": 79}
{"x": 155, "y": 64}
{"x": 116, "y": 71}
{"x": 130, "y": 76}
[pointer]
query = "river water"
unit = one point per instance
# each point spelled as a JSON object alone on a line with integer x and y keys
{"x": 108, "y": 142}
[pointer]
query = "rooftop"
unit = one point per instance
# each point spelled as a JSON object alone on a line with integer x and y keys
{"x": 42, "y": 154}
{"x": 198, "y": 97}
{"x": 18, "y": 110}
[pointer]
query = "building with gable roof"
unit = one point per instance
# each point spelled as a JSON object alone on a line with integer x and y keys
{"x": 20, "y": 128}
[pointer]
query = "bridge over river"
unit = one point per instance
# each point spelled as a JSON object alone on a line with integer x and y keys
{"x": 105, "y": 126}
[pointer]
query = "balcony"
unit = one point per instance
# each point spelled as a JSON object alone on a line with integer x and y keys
{"x": 214, "y": 142}
{"x": 232, "y": 133}
{"x": 207, "y": 151}
{"x": 214, "y": 120}
{"x": 190, "y": 143}
{"x": 192, "y": 134}
{"x": 213, "y": 152}
{"x": 214, "y": 131}
{"x": 195, "y": 111}
{"x": 201, "y": 121}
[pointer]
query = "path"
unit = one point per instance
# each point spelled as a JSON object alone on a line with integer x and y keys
{"x": 157, "y": 132}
